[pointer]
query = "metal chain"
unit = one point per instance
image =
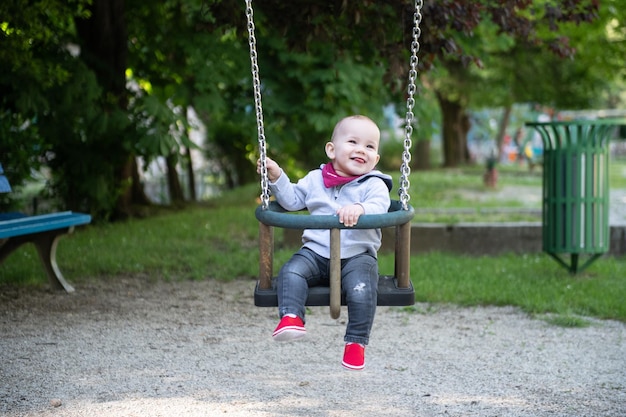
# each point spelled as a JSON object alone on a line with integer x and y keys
{"x": 405, "y": 168}
{"x": 265, "y": 190}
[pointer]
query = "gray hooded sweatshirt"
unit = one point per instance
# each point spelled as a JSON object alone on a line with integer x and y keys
{"x": 370, "y": 190}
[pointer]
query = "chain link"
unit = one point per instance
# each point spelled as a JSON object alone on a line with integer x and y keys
{"x": 256, "y": 81}
{"x": 405, "y": 168}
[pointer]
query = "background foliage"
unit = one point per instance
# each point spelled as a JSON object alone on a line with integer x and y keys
{"x": 90, "y": 87}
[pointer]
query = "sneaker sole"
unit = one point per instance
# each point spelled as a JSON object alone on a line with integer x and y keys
{"x": 352, "y": 367}
{"x": 287, "y": 334}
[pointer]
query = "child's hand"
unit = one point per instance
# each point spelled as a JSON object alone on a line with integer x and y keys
{"x": 273, "y": 169}
{"x": 349, "y": 215}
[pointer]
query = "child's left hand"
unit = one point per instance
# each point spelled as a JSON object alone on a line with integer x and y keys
{"x": 349, "y": 215}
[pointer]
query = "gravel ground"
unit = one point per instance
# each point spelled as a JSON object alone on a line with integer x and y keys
{"x": 139, "y": 348}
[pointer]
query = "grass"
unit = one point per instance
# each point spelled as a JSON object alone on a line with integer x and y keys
{"x": 566, "y": 320}
{"x": 533, "y": 282}
{"x": 218, "y": 240}
{"x": 459, "y": 195}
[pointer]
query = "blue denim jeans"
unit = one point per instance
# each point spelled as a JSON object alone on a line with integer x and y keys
{"x": 359, "y": 284}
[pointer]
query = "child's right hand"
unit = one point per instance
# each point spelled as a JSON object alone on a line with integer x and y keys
{"x": 273, "y": 169}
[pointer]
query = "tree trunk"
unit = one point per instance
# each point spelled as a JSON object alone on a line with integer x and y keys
{"x": 504, "y": 122}
{"x": 104, "y": 47}
{"x": 123, "y": 207}
{"x": 191, "y": 181}
{"x": 422, "y": 155}
{"x": 138, "y": 191}
{"x": 464, "y": 127}
{"x": 173, "y": 182}
{"x": 454, "y": 137}
{"x": 104, "y": 36}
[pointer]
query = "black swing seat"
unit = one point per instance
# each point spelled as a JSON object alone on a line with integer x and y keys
{"x": 388, "y": 294}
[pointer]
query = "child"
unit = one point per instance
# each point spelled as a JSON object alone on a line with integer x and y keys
{"x": 347, "y": 186}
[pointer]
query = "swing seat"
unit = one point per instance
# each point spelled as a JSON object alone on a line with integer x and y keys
{"x": 396, "y": 290}
{"x": 389, "y": 294}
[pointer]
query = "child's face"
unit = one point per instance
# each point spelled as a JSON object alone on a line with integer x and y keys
{"x": 354, "y": 148}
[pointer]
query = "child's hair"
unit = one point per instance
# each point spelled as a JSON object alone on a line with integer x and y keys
{"x": 355, "y": 116}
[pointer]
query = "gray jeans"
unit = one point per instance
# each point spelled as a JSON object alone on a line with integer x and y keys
{"x": 359, "y": 284}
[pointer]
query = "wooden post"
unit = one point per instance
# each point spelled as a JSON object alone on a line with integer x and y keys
{"x": 266, "y": 256}
{"x": 335, "y": 273}
{"x": 403, "y": 255}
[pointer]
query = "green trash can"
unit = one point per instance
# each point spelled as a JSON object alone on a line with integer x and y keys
{"x": 575, "y": 189}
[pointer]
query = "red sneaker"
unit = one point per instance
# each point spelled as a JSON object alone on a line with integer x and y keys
{"x": 354, "y": 356}
{"x": 290, "y": 327}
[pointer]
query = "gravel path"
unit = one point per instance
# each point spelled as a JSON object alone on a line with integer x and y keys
{"x": 134, "y": 348}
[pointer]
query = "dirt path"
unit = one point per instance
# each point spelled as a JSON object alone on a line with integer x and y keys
{"x": 202, "y": 349}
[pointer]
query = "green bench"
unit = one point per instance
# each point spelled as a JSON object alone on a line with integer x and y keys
{"x": 43, "y": 231}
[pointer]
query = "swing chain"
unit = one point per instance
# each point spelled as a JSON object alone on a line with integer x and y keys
{"x": 405, "y": 168}
{"x": 265, "y": 191}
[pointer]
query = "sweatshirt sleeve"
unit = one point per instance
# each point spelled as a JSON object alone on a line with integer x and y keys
{"x": 376, "y": 199}
{"x": 290, "y": 196}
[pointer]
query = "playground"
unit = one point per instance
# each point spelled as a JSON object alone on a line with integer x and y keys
{"x": 135, "y": 347}
{"x": 163, "y": 320}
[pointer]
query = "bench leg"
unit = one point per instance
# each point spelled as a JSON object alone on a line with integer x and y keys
{"x": 46, "y": 244}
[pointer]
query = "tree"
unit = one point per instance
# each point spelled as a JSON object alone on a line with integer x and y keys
{"x": 70, "y": 122}
{"x": 319, "y": 61}
{"x": 200, "y": 63}
{"x": 524, "y": 74}
{"x": 465, "y": 33}
{"x": 35, "y": 55}
{"x": 457, "y": 36}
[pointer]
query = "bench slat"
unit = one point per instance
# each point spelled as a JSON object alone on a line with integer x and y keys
{"x": 42, "y": 223}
